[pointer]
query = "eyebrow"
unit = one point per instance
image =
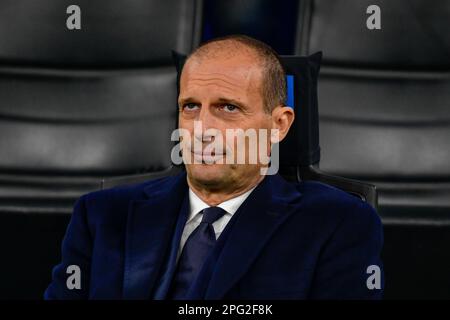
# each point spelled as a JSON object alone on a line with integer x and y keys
{"x": 182, "y": 101}
{"x": 232, "y": 101}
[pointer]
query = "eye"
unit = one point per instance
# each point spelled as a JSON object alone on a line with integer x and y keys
{"x": 229, "y": 108}
{"x": 190, "y": 107}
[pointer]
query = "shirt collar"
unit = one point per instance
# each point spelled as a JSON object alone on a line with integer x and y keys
{"x": 196, "y": 204}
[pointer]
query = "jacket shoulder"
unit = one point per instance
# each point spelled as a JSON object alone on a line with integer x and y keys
{"x": 335, "y": 204}
{"x": 117, "y": 199}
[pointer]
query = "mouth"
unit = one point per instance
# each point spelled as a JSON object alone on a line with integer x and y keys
{"x": 209, "y": 157}
{"x": 207, "y": 154}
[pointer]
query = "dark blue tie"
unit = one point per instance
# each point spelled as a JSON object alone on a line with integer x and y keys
{"x": 195, "y": 251}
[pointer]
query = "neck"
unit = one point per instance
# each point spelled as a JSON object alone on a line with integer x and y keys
{"x": 215, "y": 196}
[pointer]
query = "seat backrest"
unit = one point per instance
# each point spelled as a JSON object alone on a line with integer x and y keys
{"x": 76, "y": 106}
{"x": 413, "y": 33}
{"x": 384, "y": 117}
{"x": 113, "y": 33}
{"x": 383, "y": 94}
{"x": 88, "y": 101}
{"x": 300, "y": 151}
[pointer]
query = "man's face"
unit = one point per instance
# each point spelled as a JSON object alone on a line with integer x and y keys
{"x": 223, "y": 93}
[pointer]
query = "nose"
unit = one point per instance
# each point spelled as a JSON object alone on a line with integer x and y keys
{"x": 207, "y": 122}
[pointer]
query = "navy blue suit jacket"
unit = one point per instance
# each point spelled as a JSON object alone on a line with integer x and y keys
{"x": 286, "y": 241}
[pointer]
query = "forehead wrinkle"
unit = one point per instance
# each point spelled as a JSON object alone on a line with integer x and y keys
{"x": 236, "y": 73}
{"x": 244, "y": 67}
{"x": 214, "y": 79}
{"x": 226, "y": 90}
{"x": 242, "y": 77}
{"x": 225, "y": 79}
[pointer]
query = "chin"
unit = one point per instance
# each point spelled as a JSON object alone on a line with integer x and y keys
{"x": 207, "y": 173}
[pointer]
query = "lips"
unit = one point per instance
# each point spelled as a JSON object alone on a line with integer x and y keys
{"x": 207, "y": 157}
{"x": 208, "y": 154}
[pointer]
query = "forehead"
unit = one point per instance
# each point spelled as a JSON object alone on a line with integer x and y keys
{"x": 239, "y": 72}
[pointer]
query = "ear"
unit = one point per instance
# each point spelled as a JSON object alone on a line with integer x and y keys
{"x": 282, "y": 119}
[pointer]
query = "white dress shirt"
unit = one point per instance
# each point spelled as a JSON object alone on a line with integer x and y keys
{"x": 196, "y": 205}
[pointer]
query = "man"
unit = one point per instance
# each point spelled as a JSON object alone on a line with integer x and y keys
{"x": 223, "y": 230}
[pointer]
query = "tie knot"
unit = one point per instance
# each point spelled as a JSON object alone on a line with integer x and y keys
{"x": 212, "y": 214}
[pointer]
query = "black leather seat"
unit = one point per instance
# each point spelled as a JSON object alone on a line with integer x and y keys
{"x": 76, "y": 106}
{"x": 384, "y": 98}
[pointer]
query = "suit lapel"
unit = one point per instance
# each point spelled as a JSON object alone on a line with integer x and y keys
{"x": 256, "y": 221}
{"x": 150, "y": 225}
